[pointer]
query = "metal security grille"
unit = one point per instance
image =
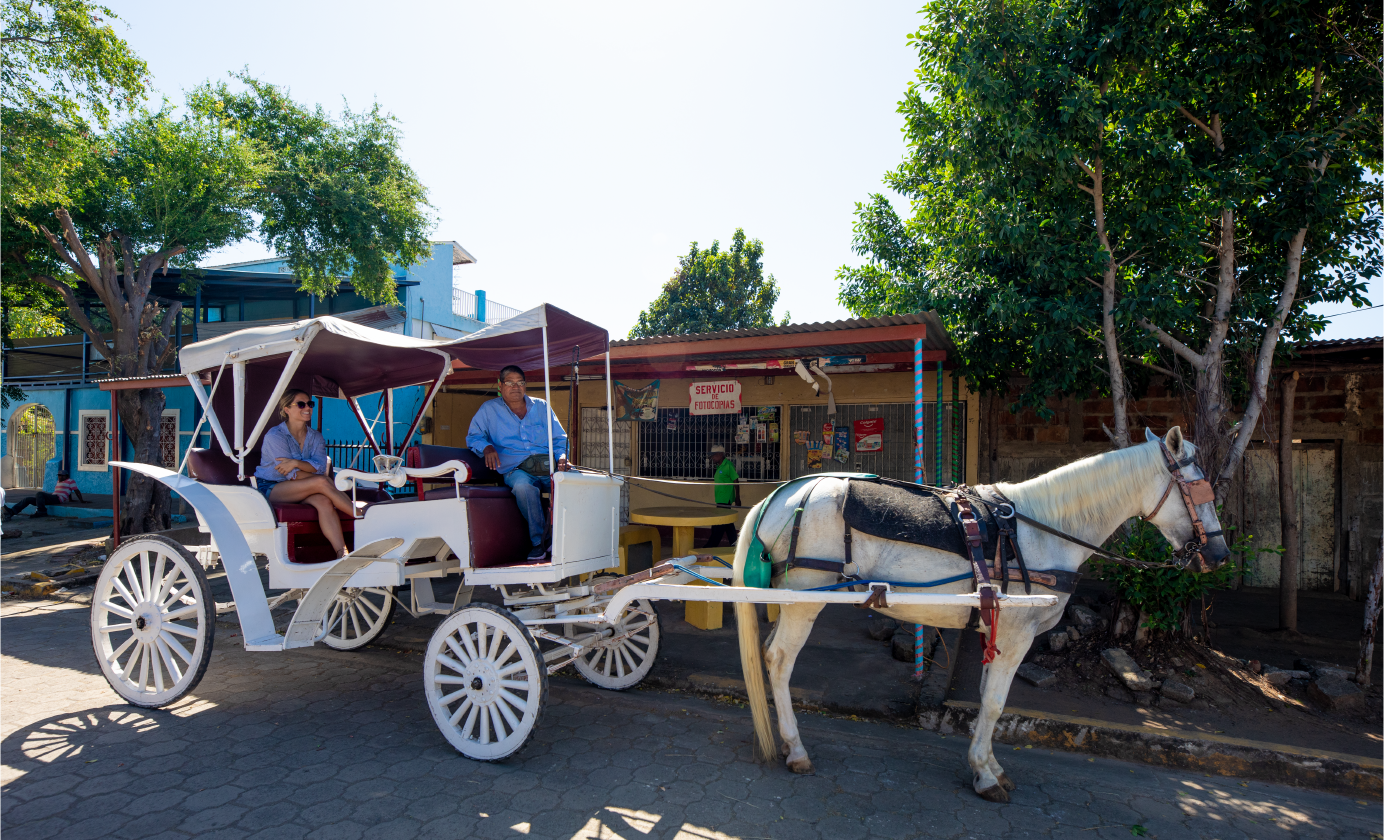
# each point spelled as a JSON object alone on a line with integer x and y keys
{"x": 895, "y": 459}
{"x": 94, "y": 440}
{"x": 168, "y": 441}
{"x": 595, "y": 449}
{"x": 33, "y": 446}
{"x": 678, "y": 444}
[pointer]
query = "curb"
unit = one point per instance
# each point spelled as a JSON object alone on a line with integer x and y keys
{"x": 1219, "y": 755}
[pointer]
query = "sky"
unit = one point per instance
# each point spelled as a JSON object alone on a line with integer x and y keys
{"x": 577, "y": 149}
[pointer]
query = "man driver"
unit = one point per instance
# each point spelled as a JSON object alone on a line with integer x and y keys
{"x": 509, "y": 432}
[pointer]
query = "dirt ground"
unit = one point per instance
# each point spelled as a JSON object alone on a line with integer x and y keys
{"x": 1230, "y": 699}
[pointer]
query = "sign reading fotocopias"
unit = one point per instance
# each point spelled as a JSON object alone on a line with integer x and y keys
{"x": 714, "y": 397}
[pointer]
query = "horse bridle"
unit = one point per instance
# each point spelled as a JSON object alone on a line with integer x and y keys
{"x": 1197, "y": 491}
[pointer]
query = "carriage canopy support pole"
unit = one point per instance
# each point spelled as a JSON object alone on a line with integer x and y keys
{"x": 364, "y": 424}
{"x": 610, "y": 416}
{"x": 918, "y": 410}
{"x": 115, "y": 471}
{"x": 548, "y": 395}
{"x": 389, "y": 420}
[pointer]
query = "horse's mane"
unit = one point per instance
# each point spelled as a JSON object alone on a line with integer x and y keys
{"x": 1089, "y": 492}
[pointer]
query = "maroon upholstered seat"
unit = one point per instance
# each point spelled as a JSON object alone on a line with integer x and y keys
{"x": 211, "y": 466}
{"x": 471, "y": 491}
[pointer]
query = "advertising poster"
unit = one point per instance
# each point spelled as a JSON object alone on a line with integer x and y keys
{"x": 842, "y": 447}
{"x": 636, "y": 402}
{"x": 814, "y": 455}
{"x": 800, "y": 437}
{"x": 827, "y": 430}
{"x": 742, "y": 433}
{"x": 773, "y": 433}
{"x": 826, "y": 449}
{"x": 869, "y": 435}
{"x": 761, "y": 433}
{"x": 714, "y": 397}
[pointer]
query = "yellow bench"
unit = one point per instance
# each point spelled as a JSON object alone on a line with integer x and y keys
{"x": 634, "y": 535}
{"x": 705, "y": 615}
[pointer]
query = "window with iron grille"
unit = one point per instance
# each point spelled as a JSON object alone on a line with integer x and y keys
{"x": 168, "y": 439}
{"x": 678, "y": 444}
{"x": 895, "y": 459}
{"x": 94, "y": 426}
{"x": 595, "y": 449}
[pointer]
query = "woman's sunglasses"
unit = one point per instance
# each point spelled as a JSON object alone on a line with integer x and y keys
{"x": 308, "y": 404}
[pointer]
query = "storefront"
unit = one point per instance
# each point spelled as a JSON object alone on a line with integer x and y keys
{"x": 677, "y": 396}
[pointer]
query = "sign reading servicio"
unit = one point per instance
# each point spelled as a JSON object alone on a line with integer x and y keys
{"x": 714, "y": 397}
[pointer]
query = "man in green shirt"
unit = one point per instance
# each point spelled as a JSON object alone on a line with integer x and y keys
{"x": 727, "y": 493}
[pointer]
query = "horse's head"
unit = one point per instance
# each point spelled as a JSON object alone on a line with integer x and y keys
{"x": 1186, "y": 510}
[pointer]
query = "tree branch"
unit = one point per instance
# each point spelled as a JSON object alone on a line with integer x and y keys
{"x": 1193, "y": 358}
{"x": 74, "y": 307}
{"x": 1152, "y": 367}
{"x": 1214, "y": 134}
{"x": 74, "y": 244}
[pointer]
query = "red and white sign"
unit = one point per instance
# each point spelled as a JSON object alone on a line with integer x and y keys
{"x": 714, "y": 397}
{"x": 869, "y": 434}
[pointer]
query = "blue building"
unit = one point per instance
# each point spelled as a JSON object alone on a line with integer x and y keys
{"x": 63, "y": 421}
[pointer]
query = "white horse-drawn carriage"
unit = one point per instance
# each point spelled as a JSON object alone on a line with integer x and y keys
{"x": 486, "y": 667}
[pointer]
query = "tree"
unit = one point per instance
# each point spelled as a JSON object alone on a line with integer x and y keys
{"x": 65, "y": 73}
{"x": 713, "y": 290}
{"x": 1102, "y": 183}
{"x": 159, "y": 190}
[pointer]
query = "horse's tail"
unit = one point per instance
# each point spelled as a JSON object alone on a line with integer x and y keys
{"x": 751, "y": 659}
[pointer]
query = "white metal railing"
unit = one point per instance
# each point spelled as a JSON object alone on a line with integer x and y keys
{"x": 478, "y": 308}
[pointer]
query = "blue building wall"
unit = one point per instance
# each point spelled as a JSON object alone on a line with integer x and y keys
{"x": 339, "y": 423}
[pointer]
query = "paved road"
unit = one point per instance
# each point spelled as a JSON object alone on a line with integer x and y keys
{"x": 317, "y": 743}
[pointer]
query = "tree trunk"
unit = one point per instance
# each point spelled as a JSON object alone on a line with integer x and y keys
{"x": 1291, "y": 560}
{"x": 145, "y": 507}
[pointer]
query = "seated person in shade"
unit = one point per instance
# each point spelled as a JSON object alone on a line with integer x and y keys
{"x": 293, "y": 467}
{"x": 510, "y": 433}
{"x": 65, "y": 489}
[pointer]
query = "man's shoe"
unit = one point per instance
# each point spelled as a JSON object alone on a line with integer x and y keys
{"x": 538, "y": 553}
{"x": 5, "y": 514}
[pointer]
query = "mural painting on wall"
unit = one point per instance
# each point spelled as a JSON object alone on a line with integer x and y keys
{"x": 636, "y": 402}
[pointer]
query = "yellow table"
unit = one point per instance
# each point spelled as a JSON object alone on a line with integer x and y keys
{"x": 684, "y": 520}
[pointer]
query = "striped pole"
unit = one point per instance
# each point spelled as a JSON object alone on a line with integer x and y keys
{"x": 958, "y": 469}
{"x": 918, "y": 410}
{"x": 938, "y": 432}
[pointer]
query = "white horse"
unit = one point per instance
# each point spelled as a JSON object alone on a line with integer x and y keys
{"x": 1087, "y": 499}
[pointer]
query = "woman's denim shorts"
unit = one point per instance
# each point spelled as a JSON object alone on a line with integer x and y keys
{"x": 265, "y": 488}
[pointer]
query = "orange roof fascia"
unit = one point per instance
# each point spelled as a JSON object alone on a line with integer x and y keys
{"x": 787, "y": 341}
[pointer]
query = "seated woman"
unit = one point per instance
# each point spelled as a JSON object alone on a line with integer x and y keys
{"x": 293, "y": 466}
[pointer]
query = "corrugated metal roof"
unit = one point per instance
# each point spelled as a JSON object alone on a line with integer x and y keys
{"x": 937, "y": 338}
{"x": 1339, "y": 344}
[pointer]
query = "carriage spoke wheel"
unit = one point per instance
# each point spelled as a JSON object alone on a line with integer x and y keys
{"x": 152, "y": 621}
{"x": 357, "y": 616}
{"x": 485, "y": 681}
{"x": 625, "y": 653}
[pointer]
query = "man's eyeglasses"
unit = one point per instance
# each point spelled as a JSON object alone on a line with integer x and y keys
{"x": 514, "y": 383}
{"x": 308, "y": 404}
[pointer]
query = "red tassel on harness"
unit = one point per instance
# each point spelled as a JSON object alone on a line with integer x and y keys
{"x": 990, "y": 650}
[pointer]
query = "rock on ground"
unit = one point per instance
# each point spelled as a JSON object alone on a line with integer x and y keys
{"x": 1122, "y": 665}
{"x": 1336, "y": 693}
{"x": 1037, "y": 674}
{"x": 1280, "y": 677}
{"x": 882, "y": 628}
{"x": 1317, "y": 668}
{"x": 1177, "y": 690}
{"x": 902, "y": 645}
{"x": 1085, "y": 618}
{"x": 1057, "y": 640}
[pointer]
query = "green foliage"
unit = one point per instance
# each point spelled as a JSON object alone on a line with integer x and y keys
{"x": 336, "y": 198}
{"x": 1162, "y": 594}
{"x": 159, "y": 183}
{"x": 64, "y": 70}
{"x": 713, "y": 290}
{"x": 1017, "y": 105}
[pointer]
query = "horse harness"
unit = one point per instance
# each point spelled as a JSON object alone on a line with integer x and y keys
{"x": 959, "y": 498}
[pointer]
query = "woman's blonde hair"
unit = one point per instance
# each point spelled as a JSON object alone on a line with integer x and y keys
{"x": 290, "y": 396}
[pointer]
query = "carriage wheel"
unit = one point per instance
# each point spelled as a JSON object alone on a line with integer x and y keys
{"x": 623, "y": 658}
{"x": 152, "y": 621}
{"x": 485, "y": 681}
{"x": 357, "y": 616}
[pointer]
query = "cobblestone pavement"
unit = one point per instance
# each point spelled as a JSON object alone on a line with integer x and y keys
{"x": 316, "y": 743}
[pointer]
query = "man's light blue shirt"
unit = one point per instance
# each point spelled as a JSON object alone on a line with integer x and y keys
{"x": 495, "y": 424}
{"x": 279, "y": 443}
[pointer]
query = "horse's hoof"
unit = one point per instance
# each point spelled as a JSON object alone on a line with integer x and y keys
{"x": 1005, "y": 782}
{"x": 802, "y": 766}
{"x": 995, "y": 793}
